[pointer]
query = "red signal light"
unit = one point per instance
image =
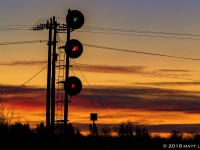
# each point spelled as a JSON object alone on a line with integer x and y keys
{"x": 74, "y": 48}
{"x": 73, "y": 86}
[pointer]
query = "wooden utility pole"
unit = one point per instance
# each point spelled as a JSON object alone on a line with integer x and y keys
{"x": 53, "y": 75}
{"x": 48, "y": 92}
{"x": 53, "y": 28}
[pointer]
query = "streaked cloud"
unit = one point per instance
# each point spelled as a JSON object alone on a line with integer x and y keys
{"x": 125, "y": 69}
{"x": 23, "y": 97}
{"x": 122, "y": 102}
{"x": 181, "y": 74}
{"x": 136, "y": 98}
{"x": 110, "y": 69}
{"x": 23, "y": 63}
{"x": 174, "y": 70}
{"x": 148, "y": 99}
{"x": 170, "y": 83}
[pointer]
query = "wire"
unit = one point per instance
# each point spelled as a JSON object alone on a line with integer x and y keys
{"x": 108, "y": 48}
{"x": 18, "y": 87}
{"x": 139, "y": 31}
{"x": 145, "y": 35}
{"x": 14, "y": 27}
{"x": 86, "y": 94}
{"x": 116, "y": 31}
{"x": 101, "y": 103}
{"x": 140, "y": 52}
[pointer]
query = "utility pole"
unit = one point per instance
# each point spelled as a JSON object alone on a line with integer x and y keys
{"x": 53, "y": 75}
{"x": 52, "y": 58}
{"x": 48, "y": 92}
{"x": 73, "y": 49}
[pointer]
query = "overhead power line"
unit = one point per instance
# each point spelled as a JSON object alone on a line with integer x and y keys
{"x": 138, "y": 31}
{"x": 145, "y": 35}
{"x": 109, "y": 29}
{"x": 105, "y": 30}
{"x": 114, "y": 31}
{"x": 18, "y": 87}
{"x": 14, "y": 27}
{"x": 94, "y": 93}
{"x": 140, "y": 52}
{"x": 107, "y": 48}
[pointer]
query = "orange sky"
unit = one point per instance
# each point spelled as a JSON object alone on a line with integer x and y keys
{"x": 119, "y": 86}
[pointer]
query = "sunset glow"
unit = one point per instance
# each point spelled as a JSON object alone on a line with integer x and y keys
{"x": 140, "y": 62}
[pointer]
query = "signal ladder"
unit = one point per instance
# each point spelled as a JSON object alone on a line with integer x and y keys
{"x": 59, "y": 102}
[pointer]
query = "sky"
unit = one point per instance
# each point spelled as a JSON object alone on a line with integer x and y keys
{"x": 140, "y": 61}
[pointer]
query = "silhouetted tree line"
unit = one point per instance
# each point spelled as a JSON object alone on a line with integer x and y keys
{"x": 127, "y": 137}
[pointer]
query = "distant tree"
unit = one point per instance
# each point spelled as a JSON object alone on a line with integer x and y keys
{"x": 105, "y": 132}
{"x": 176, "y": 136}
{"x": 72, "y": 132}
{"x": 142, "y": 132}
{"x": 20, "y": 128}
{"x": 19, "y": 132}
{"x": 40, "y": 128}
{"x": 196, "y": 137}
{"x": 5, "y": 117}
{"x": 94, "y": 130}
{"x": 189, "y": 136}
{"x": 125, "y": 129}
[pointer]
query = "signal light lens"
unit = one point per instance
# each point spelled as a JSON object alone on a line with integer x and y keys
{"x": 74, "y": 48}
{"x": 73, "y": 86}
{"x": 75, "y": 20}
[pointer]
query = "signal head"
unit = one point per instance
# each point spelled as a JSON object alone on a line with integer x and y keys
{"x": 75, "y": 19}
{"x": 74, "y": 48}
{"x": 74, "y": 85}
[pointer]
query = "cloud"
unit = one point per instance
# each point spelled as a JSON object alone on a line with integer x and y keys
{"x": 174, "y": 70}
{"x": 110, "y": 69}
{"x": 23, "y": 96}
{"x": 126, "y": 69}
{"x": 174, "y": 73}
{"x": 145, "y": 99}
{"x": 170, "y": 83}
{"x": 23, "y": 63}
{"x": 142, "y": 70}
{"x": 115, "y": 102}
{"x": 137, "y": 98}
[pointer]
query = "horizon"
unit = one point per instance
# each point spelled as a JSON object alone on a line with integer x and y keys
{"x": 140, "y": 62}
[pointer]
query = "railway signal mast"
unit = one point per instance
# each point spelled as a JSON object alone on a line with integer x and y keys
{"x": 73, "y": 49}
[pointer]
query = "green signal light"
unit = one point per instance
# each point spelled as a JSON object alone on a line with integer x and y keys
{"x": 75, "y": 19}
